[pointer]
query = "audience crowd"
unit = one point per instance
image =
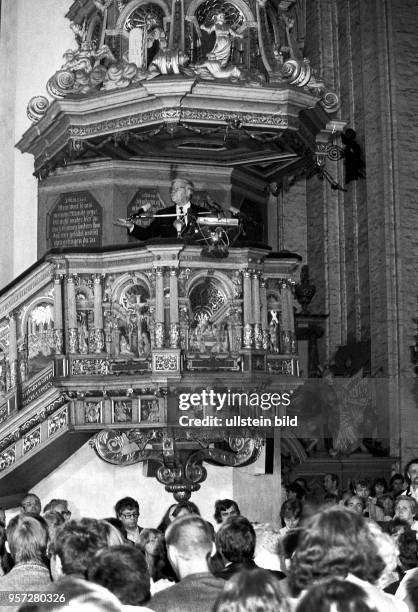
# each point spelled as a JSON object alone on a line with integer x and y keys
{"x": 349, "y": 551}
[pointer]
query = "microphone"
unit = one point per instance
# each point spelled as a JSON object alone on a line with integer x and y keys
{"x": 139, "y": 212}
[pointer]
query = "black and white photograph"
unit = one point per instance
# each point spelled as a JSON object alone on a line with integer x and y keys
{"x": 209, "y": 305}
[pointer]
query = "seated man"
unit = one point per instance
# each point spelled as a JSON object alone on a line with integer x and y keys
{"x": 58, "y": 505}
{"x": 127, "y": 511}
{"x": 189, "y": 544}
{"x": 171, "y": 222}
{"x": 31, "y": 503}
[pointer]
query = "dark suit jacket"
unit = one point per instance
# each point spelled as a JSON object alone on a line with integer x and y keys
{"x": 163, "y": 227}
{"x": 197, "y": 592}
{"x": 234, "y": 568}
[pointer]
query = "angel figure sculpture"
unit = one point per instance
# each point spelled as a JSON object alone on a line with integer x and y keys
{"x": 224, "y": 36}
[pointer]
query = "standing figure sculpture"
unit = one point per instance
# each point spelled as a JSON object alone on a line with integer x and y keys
{"x": 224, "y": 36}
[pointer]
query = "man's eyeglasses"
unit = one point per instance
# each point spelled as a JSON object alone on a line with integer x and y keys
{"x": 66, "y": 513}
{"x": 129, "y": 515}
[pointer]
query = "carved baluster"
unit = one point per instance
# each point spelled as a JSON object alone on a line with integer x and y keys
{"x": 72, "y": 315}
{"x": 258, "y": 338}
{"x": 248, "y": 331}
{"x": 58, "y": 326}
{"x": 174, "y": 309}
{"x": 159, "y": 308}
{"x": 264, "y": 318}
{"x": 13, "y": 349}
{"x": 98, "y": 314}
{"x": 285, "y": 340}
{"x": 292, "y": 333}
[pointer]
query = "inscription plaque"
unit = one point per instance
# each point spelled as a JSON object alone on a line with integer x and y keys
{"x": 75, "y": 221}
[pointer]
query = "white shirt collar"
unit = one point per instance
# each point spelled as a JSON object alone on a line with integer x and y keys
{"x": 185, "y": 208}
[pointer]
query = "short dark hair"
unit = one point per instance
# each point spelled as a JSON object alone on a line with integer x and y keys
{"x": 256, "y": 589}
{"x": 123, "y": 570}
{"x": 224, "y": 504}
{"x": 408, "y": 465}
{"x": 126, "y": 503}
{"x": 294, "y": 487}
{"x": 396, "y": 476}
{"x": 76, "y": 542}
{"x": 236, "y": 539}
{"x": 335, "y": 594}
{"x": 27, "y": 535}
{"x": 190, "y": 535}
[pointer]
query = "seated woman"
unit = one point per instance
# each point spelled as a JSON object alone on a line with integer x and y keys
{"x": 335, "y": 543}
{"x": 176, "y": 511}
{"x": 406, "y": 509}
{"x": 224, "y": 508}
{"x": 152, "y": 544}
{"x": 290, "y": 513}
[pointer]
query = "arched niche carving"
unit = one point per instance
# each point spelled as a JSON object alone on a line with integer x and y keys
{"x": 132, "y": 6}
{"x": 125, "y": 280}
{"x": 128, "y": 321}
{"x": 212, "y": 333}
{"x": 240, "y": 4}
{"x": 38, "y": 330}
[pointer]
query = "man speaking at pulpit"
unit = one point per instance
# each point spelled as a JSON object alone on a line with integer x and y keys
{"x": 178, "y": 221}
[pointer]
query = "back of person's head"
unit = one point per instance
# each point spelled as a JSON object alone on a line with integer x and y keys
{"x": 70, "y": 593}
{"x": 27, "y": 535}
{"x": 295, "y": 490}
{"x": 331, "y": 544}
{"x": 335, "y": 595}
{"x": 252, "y": 591}
{"x": 113, "y": 535}
{"x": 236, "y": 540}
{"x": 411, "y": 587}
{"x": 123, "y": 570}
{"x": 224, "y": 505}
{"x": 75, "y": 544}
{"x": 118, "y": 524}
{"x": 408, "y": 549}
{"x": 191, "y": 537}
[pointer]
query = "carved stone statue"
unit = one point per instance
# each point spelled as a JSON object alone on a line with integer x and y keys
{"x": 223, "y": 44}
{"x": 216, "y": 66}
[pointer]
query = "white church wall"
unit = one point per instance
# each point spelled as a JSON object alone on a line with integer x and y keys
{"x": 93, "y": 486}
{"x": 34, "y": 35}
